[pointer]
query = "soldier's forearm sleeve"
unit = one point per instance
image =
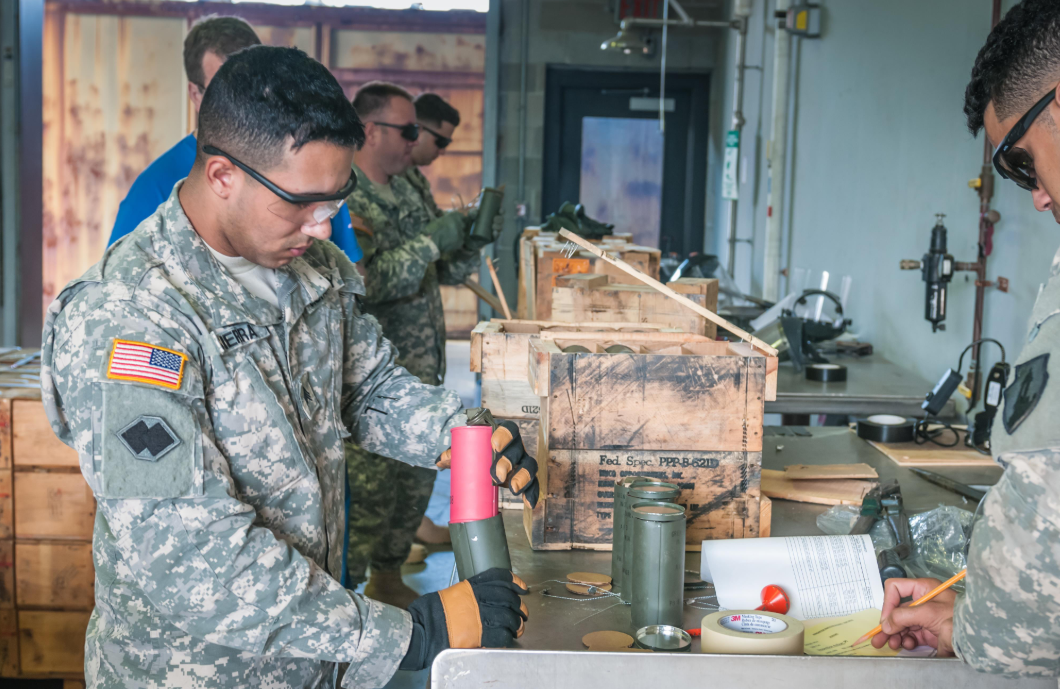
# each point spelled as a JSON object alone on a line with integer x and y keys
{"x": 459, "y": 267}
{"x": 396, "y": 273}
{"x": 1008, "y": 620}
{"x": 387, "y": 409}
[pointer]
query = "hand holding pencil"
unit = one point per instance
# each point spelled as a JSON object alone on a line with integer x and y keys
{"x": 928, "y": 621}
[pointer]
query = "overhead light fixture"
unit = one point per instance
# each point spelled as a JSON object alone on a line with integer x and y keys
{"x": 627, "y": 42}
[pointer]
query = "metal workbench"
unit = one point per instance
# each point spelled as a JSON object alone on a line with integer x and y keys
{"x": 552, "y": 656}
{"x": 874, "y": 385}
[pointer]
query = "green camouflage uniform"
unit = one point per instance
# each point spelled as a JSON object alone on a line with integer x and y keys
{"x": 402, "y": 270}
{"x": 1008, "y": 620}
{"x": 219, "y": 533}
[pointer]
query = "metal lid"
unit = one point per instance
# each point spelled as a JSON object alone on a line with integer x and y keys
{"x": 630, "y": 480}
{"x": 662, "y": 638}
{"x": 657, "y": 511}
{"x": 653, "y": 489}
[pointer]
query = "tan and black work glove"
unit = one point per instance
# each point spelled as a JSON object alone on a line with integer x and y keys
{"x": 512, "y": 467}
{"x": 485, "y": 611}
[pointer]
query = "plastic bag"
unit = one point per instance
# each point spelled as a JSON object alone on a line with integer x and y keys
{"x": 838, "y": 520}
{"x": 940, "y": 537}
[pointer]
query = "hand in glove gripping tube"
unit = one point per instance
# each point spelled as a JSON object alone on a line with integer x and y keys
{"x": 512, "y": 467}
{"x": 447, "y": 232}
{"x": 485, "y": 611}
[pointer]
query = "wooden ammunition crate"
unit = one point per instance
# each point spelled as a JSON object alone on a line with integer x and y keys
{"x": 581, "y": 298}
{"x": 46, "y": 571}
{"x": 500, "y": 349}
{"x": 689, "y": 412}
{"x": 543, "y": 257}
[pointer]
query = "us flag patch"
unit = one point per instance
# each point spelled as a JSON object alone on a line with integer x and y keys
{"x": 146, "y": 363}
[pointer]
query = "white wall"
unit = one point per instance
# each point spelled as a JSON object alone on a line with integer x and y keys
{"x": 880, "y": 146}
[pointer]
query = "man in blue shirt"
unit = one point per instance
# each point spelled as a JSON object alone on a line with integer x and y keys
{"x": 209, "y": 43}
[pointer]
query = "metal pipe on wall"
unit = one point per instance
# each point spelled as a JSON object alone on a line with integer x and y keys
{"x": 524, "y": 59}
{"x": 777, "y": 158}
{"x": 490, "y": 119}
{"x": 741, "y": 12}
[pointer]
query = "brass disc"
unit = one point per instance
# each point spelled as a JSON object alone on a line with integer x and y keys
{"x": 589, "y": 578}
{"x": 606, "y": 641}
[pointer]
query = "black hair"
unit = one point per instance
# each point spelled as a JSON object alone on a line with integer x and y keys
{"x": 221, "y": 35}
{"x": 376, "y": 95}
{"x": 1018, "y": 64}
{"x": 430, "y": 107}
{"x": 266, "y": 98}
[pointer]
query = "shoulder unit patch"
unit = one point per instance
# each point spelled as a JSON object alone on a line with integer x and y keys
{"x": 145, "y": 363}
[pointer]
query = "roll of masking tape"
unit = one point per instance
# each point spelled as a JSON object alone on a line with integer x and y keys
{"x": 751, "y": 632}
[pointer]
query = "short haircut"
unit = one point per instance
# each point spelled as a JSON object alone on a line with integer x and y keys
{"x": 430, "y": 107}
{"x": 266, "y": 98}
{"x": 376, "y": 95}
{"x": 221, "y": 35}
{"x": 1018, "y": 64}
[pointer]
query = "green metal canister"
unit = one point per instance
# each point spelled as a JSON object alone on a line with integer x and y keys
{"x": 489, "y": 206}
{"x": 479, "y": 545}
{"x": 618, "y": 528}
{"x": 658, "y": 557}
{"x": 651, "y": 490}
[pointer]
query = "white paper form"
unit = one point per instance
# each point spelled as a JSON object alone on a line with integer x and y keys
{"x": 824, "y": 576}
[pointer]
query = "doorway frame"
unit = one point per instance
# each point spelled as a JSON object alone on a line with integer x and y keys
{"x": 559, "y": 77}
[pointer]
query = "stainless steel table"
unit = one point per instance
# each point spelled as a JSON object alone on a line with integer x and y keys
{"x": 874, "y": 385}
{"x": 557, "y": 659}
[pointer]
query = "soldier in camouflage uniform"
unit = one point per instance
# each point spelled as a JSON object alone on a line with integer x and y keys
{"x": 207, "y": 371}
{"x": 1008, "y": 619}
{"x": 409, "y": 249}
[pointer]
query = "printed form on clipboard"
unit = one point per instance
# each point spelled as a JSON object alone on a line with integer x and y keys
{"x": 824, "y": 576}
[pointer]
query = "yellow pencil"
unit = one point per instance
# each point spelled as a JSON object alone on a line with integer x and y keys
{"x": 923, "y": 599}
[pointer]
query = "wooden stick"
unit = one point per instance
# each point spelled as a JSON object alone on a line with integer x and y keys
{"x": 660, "y": 287}
{"x": 920, "y": 601}
{"x": 483, "y": 294}
{"x": 500, "y": 292}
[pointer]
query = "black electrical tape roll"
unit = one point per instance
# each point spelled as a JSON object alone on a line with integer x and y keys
{"x": 885, "y": 428}
{"x": 826, "y": 373}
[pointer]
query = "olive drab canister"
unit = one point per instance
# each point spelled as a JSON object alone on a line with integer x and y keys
{"x": 618, "y": 524}
{"x": 658, "y": 557}
{"x": 651, "y": 490}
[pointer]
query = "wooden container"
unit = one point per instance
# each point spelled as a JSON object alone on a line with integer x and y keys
{"x": 682, "y": 408}
{"x": 53, "y": 506}
{"x": 8, "y": 643}
{"x": 52, "y": 642}
{"x": 500, "y": 349}
{"x": 34, "y": 444}
{"x": 7, "y": 574}
{"x": 55, "y": 575}
{"x": 542, "y": 257}
{"x": 581, "y": 298}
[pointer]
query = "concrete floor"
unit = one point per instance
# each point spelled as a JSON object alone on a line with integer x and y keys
{"x": 439, "y": 569}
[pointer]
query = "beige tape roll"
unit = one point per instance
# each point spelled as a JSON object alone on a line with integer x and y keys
{"x": 751, "y": 632}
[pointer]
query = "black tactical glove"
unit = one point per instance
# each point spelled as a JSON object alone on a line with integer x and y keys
{"x": 483, "y": 612}
{"x": 512, "y": 467}
{"x": 448, "y": 232}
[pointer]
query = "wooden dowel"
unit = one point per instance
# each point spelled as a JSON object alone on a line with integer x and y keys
{"x": 660, "y": 287}
{"x": 500, "y": 291}
{"x": 483, "y": 294}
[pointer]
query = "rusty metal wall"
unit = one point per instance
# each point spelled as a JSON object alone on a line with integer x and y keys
{"x": 115, "y": 98}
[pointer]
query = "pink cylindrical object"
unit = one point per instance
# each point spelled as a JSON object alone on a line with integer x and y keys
{"x": 472, "y": 493}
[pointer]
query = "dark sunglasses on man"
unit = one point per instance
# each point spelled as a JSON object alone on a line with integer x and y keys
{"x": 304, "y": 209}
{"x": 1016, "y": 163}
{"x": 409, "y": 132}
{"x": 440, "y": 141}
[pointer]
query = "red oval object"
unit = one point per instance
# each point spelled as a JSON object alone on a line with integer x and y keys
{"x": 774, "y": 599}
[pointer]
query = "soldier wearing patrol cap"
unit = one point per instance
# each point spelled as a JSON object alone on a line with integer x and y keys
{"x": 207, "y": 371}
{"x": 1008, "y": 619}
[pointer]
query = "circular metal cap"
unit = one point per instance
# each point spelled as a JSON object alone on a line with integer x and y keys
{"x": 659, "y": 511}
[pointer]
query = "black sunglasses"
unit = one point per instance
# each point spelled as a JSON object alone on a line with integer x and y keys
{"x": 287, "y": 196}
{"x": 409, "y": 132}
{"x": 1015, "y": 163}
{"x": 439, "y": 140}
